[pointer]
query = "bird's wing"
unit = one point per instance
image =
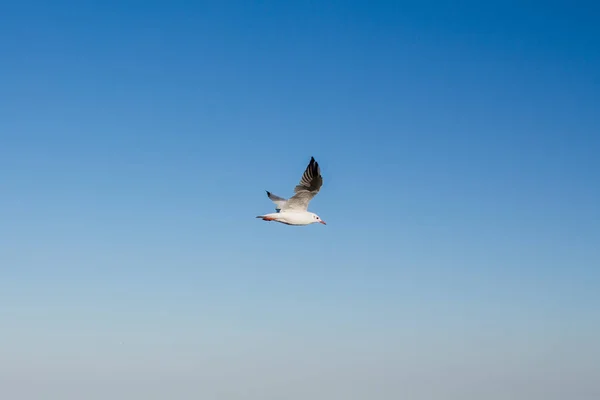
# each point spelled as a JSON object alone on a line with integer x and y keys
{"x": 279, "y": 201}
{"x": 309, "y": 186}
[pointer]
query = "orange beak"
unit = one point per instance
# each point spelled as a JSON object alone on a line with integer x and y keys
{"x": 322, "y": 222}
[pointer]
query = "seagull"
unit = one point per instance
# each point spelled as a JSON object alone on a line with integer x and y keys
{"x": 294, "y": 211}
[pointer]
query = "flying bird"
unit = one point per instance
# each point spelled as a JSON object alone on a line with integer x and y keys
{"x": 294, "y": 211}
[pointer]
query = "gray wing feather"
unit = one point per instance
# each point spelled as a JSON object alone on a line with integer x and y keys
{"x": 309, "y": 186}
{"x": 279, "y": 201}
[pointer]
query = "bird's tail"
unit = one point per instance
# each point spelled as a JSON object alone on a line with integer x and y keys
{"x": 268, "y": 217}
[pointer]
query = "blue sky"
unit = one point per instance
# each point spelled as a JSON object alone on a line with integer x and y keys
{"x": 459, "y": 148}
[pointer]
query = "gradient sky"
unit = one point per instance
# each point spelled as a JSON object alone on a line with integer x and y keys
{"x": 459, "y": 146}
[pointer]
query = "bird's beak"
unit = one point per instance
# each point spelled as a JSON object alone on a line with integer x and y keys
{"x": 323, "y": 222}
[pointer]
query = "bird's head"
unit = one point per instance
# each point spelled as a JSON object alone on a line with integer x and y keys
{"x": 317, "y": 219}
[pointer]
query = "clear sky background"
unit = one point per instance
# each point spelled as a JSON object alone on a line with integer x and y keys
{"x": 459, "y": 145}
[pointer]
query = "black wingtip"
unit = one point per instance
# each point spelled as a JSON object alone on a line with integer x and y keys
{"x": 268, "y": 193}
{"x": 313, "y": 165}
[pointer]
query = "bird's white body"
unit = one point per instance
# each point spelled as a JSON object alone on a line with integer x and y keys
{"x": 293, "y": 218}
{"x": 294, "y": 211}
